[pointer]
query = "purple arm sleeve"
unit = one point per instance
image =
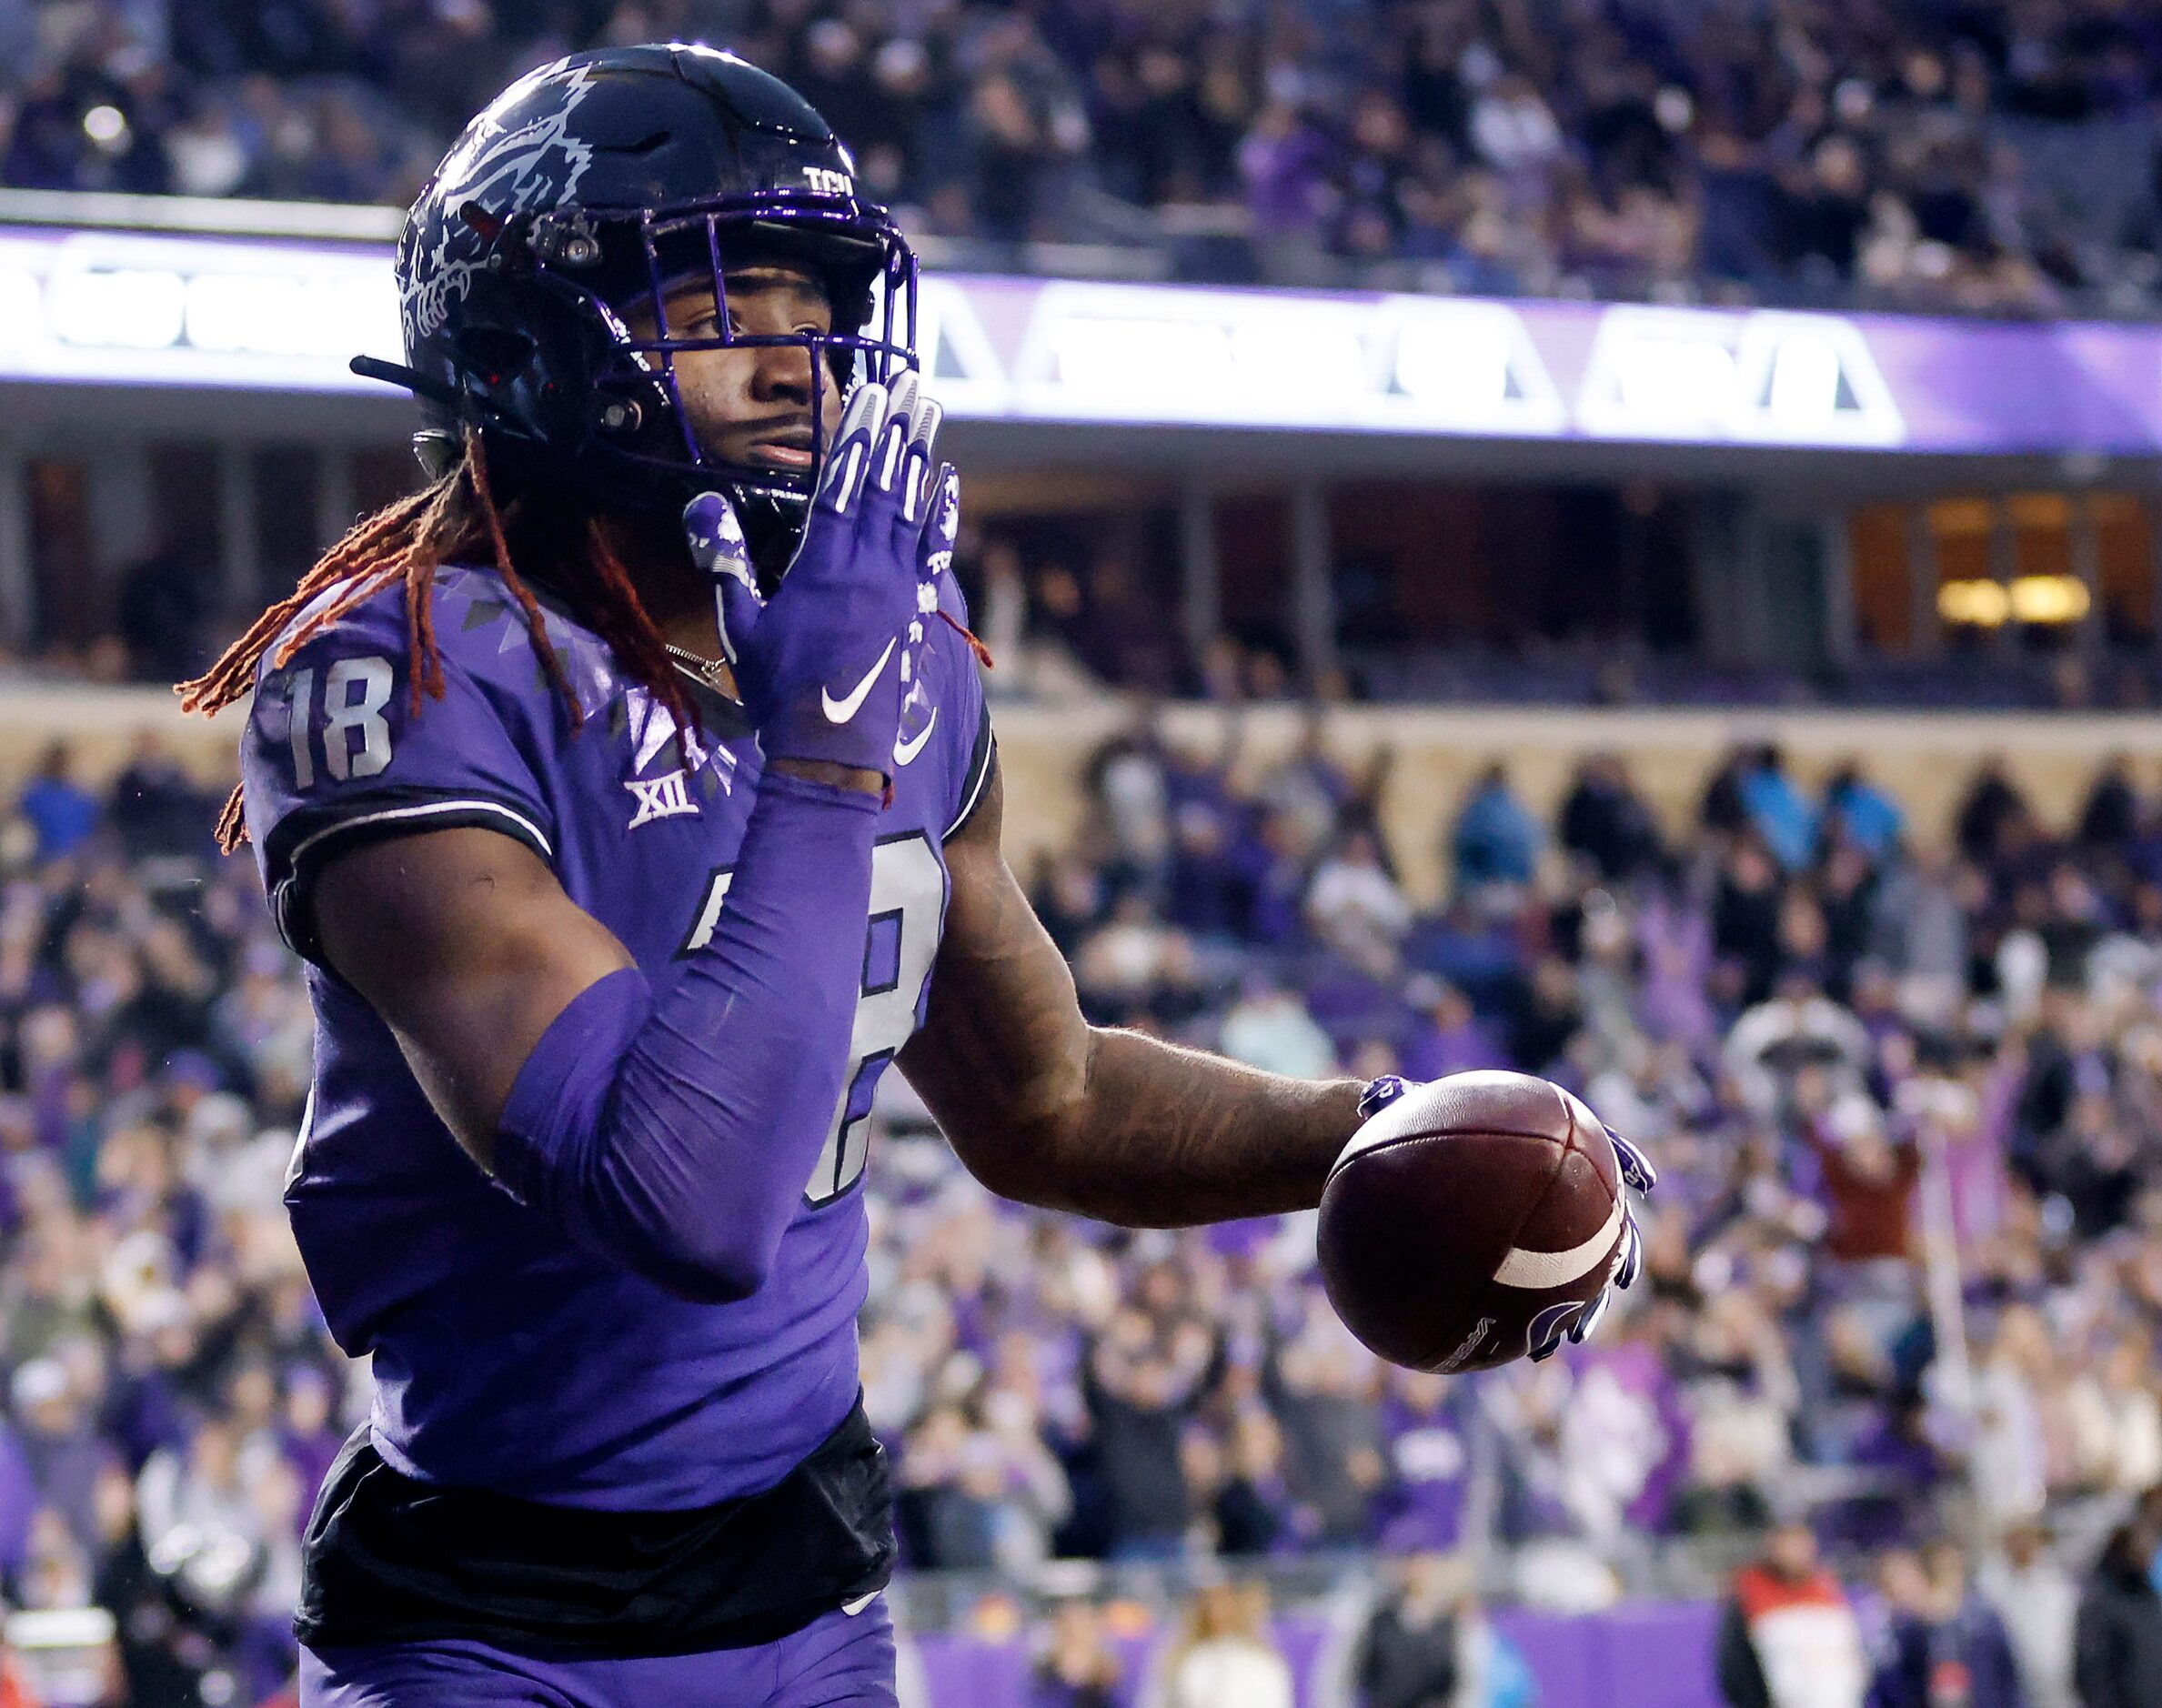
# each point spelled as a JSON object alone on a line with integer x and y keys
{"x": 675, "y": 1136}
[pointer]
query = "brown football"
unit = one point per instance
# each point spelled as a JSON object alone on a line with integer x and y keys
{"x": 1468, "y": 1218}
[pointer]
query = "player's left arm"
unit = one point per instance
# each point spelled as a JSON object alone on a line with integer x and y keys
{"x": 1048, "y": 1110}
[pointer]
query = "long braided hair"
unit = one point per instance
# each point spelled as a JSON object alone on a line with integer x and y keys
{"x": 453, "y": 519}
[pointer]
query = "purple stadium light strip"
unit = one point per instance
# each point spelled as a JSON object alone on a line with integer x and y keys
{"x": 118, "y": 309}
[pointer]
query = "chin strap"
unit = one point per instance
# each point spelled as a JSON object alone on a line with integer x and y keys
{"x": 772, "y": 525}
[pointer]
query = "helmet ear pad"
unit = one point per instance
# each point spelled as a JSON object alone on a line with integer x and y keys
{"x": 494, "y": 356}
{"x": 589, "y": 413}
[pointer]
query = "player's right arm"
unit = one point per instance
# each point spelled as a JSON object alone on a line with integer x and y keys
{"x": 465, "y": 945}
{"x": 674, "y": 1133}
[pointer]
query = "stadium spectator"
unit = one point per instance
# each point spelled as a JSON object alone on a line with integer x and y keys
{"x": 1863, "y": 813}
{"x": 1146, "y": 1372}
{"x": 1788, "y": 1637}
{"x": 1740, "y": 1393}
{"x": 1224, "y": 1657}
{"x": 1238, "y": 1478}
{"x": 1495, "y": 840}
{"x": 1077, "y": 1669}
{"x": 1605, "y": 820}
{"x": 1777, "y": 810}
{"x": 59, "y": 809}
{"x": 1990, "y": 810}
{"x": 1328, "y": 1387}
{"x": 2111, "y": 815}
{"x": 157, "y": 808}
{"x": 59, "y": 1440}
{"x": 1869, "y": 1182}
{"x": 2037, "y": 1600}
{"x": 1746, "y": 919}
{"x": 1919, "y": 930}
{"x": 1943, "y": 1642}
{"x": 1269, "y": 1027}
{"x": 2117, "y": 1653}
{"x": 1353, "y": 904}
{"x": 1448, "y": 1036}
{"x": 17, "y": 1690}
{"x": 1408, "y": 1652}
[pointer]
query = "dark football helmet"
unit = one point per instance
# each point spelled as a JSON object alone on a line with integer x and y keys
{"x": 589, "y": 190}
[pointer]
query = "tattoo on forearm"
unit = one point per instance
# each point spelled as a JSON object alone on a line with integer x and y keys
{"x": 1167, "y": 1136}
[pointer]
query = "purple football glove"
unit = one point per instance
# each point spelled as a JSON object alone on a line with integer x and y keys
{"x": 1637, "y": 1175}
{"x": 820, "y": 666}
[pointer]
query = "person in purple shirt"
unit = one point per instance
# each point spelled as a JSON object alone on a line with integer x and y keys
{"x": 1449, "y": 1037}
{"x": 305, "y": 1435}
{"x": 624, "y": 864}
{"x": 1426, "y": 1430}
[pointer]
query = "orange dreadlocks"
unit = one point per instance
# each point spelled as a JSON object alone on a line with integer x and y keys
{"x": 404, "y": 543}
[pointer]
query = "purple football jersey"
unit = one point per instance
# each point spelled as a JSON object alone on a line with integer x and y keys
{"x": 506, "y": 1357}
{"x": 1430, "y": 1461}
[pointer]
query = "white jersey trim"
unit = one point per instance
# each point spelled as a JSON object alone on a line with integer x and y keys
{"x": 434, "y": 809}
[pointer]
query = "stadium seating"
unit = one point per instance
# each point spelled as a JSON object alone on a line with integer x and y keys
{"x": 1991, "y": 159}
{"x": 1974, "y": 953}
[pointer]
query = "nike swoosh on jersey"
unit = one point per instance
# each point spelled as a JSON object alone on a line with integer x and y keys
{"x": 838, "y": 711}
{"x": 905, "y": 753}
{"x": 851, "y": 1608}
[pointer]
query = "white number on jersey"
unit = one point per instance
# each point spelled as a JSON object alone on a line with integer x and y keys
{"x": 908, "y": 886}
{"x": 354, "y": 692}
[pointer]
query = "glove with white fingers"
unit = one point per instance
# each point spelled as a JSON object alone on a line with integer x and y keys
{"x": 1637, "y": 1175}
{"x": 1491, "y": 1106}
{"x": 818, "y": 666}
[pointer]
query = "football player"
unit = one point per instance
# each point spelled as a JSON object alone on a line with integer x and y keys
{"x": 630, "y": 794}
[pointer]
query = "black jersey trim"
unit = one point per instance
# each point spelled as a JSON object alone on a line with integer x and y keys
{"x": 982, "y": 761}
{"x": 305, "y": 839}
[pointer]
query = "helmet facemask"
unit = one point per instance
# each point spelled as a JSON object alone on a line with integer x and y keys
{"x": 623, "y": 265}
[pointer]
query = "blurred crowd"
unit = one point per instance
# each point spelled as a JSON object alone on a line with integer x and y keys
{"x": 1848, "y": 1056}
{"x": 171, "y": 1398}
{"x": 1989, "y": 157}
{"x": 1929, "y": 1626}
{"x": 1905, "y": 1265}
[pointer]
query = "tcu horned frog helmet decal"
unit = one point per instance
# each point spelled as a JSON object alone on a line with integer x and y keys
{"x": 504, "y": 169}
{"x": 562, "y": 219}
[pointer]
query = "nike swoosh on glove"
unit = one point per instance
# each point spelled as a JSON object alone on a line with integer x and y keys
{"x": 1637, "y": 1175}
{"x": 819, "y": 665}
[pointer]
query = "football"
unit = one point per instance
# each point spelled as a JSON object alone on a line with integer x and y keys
{"x": 1468, "y": 1218}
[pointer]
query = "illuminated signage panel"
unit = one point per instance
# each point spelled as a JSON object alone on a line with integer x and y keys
{"x": 144, "y": 309}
